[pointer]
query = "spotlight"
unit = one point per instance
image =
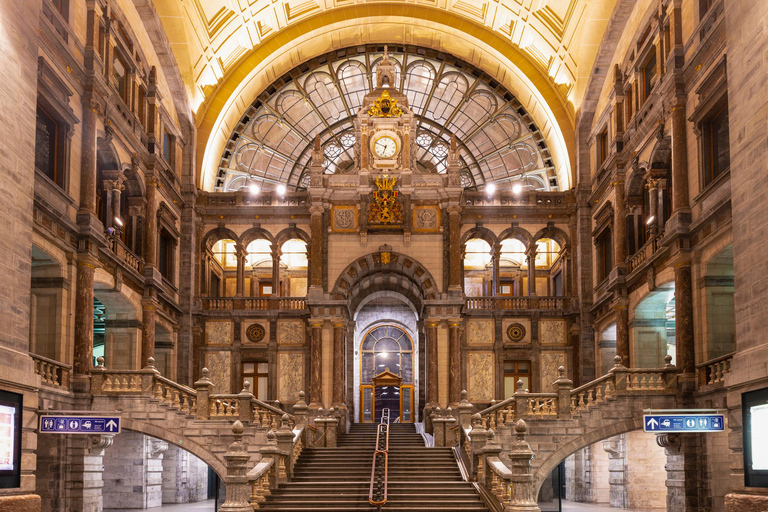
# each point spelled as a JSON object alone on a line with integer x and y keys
{"x": 281, "y": 189}
{"x": 517, "y": 188}
{"x": 650, "y": 220}
{"x": 118, "y": 221}
{"x": 253, "y": 189}
{"x": 490, "y": 188}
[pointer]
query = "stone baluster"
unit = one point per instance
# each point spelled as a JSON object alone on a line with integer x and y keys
{"x": 620, "y": 375}
{"x": 476, "y": 443}
{"x": 204, "y": 387}
{"x": 465, "y": 410}
{"x": 563, "y": 386}
{"x": 300, "y": 413}
{"x": 284, "y": 437}
{"x": 238, "y": 487}
{"x": 521, "y": 400}
{"x": 245, "y": 409}
{"x": 522, "y": 480}
{"x": 489, "y": 449}
{"x": 438, "y": 427}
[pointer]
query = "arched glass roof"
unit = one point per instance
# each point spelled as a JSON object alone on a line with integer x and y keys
{"x": 497, "y": 138}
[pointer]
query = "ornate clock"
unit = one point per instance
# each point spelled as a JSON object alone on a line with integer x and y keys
{"x": 385, "y": 146}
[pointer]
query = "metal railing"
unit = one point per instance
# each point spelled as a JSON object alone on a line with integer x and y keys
{"x": 377, "y": 496}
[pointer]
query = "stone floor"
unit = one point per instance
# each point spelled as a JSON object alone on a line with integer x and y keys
{"x": 203, "y": 506}
{"x": 571, "y": 506}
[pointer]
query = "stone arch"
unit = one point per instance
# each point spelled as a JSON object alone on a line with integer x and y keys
{"x": 371, "y": 273}
{"x": 555, "y": 233}
{"x": 289, "y": 234}
{"x": 661, "y": 154}
{"x": 603, "y": 432}
{"x": 517, "y": 233}
{"x": 255, "y": 233}
{"x": 193, "y": 447}
{"x": 635, "y": 180}
{"x": 481, "y": 233}
{"x": 218, "y": 233}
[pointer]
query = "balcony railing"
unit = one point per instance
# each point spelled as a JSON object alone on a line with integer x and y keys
{"x": 124, "y": 254}
{"x": 713, "y": 371}
{"x": 255, "y": 303}
{"x": 646, "y": 251}
{"x": 516, "y": 303}
{"x": 52, "y": 373}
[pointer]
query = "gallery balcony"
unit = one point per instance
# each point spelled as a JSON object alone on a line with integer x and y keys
{"x": 543, "y": 303}
{"x": 297, "y": 304}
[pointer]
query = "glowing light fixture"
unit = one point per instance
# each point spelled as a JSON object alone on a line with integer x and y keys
{"x": 253, "y": 189}
{"x": 490, "y": 188}
{"x": 517, "y": 188}
{"x": 281, "y": 189}
{"x": 650, "y": 220}
{"x": 119, "y": 222}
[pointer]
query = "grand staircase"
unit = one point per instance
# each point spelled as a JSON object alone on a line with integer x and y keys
{"x": 338, "y": 479}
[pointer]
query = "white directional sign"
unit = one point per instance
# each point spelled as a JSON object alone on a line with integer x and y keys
{"x": 683, "y": 423}
{"x": 79, "y": 425}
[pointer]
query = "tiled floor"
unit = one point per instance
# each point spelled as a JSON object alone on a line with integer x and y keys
{"x": 203, "y": 506}
{"x": 570, "y": 506}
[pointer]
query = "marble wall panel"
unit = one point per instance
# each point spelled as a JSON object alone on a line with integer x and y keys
{"x": 550, "y": 362}
{"x": 290, "y": 332}
{"x": 480, "y": 366}
{"x": 219, "y": 365}
{"x": 290, "y": 376}
{"x": 552, "y": 332}
{"x": 480, "y": 332}
{"x": 219, "y": 332}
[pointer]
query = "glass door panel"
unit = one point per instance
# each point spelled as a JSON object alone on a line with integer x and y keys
{"x": 406, "y": 398}
{"x": 367, "y": 405}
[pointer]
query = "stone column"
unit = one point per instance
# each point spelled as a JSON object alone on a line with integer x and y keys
{"x": 495, "y": 278}
{"x": 88, "y": 149}
{"x": 622, "y": 330}
{"x": 339, "y": 330}
{"x": 616, "y": 479}
{"x": 454, "y": 363}
{"x": 83, "y": 361}
{"x": 316, "y": 364}
{"x": 531, "y": 254}
{"x": 85, "y": 456}
{"x": 432, "y": 373}
{"x": 455, "y": 249}
{"x": 240, "y": 285}
{"x": 679, "y": 158}
{"x": 276, "y": 271}
{"x": 684, "y": 461}
{"x": 116, "y": 192}
{"x": 523, "y": 492}
{"x": 316, "y": 248}
{"x": 653, "y": 199}
{"x": 150, "y": 222}
{"x": 685, "y": 346}
{"x": 619, "y": 224}
{"x": 149, "y": 305}
{"x": 236, "y": 480}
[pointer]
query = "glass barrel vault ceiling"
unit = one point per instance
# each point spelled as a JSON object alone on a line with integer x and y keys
{"x": 498, "y": 140}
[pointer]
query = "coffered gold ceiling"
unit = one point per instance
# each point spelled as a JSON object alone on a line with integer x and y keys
{"x": 229, "y": 51}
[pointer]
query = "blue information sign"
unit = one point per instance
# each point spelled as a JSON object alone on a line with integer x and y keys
{"x": 682, "y": 423}
{"x": 79, "y": 425}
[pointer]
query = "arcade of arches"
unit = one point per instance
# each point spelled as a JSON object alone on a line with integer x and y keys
{"x": 466, "y": 213}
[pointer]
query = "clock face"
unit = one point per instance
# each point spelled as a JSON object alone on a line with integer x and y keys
{"x": 385, "y": 147}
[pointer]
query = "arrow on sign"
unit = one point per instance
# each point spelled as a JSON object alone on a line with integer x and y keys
{"x": 652, "y": 424}
{"x": 111, "y": 425}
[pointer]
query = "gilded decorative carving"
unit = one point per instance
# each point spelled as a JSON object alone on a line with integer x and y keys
{"x": 426, "y": 219}
{"x": 385, "y": 209}
{"x": 480, "y": 377}
{"x": 480, "y": 332}
{"x": 552, "y": 332}
{"x": 516, "y": 330}
{"x": 218, "y": 332}
{"x": 219, "y": 366}
{"x": 290, "y": 376}
{"x": 290, "y": 332}
{"x": 550, "y": 362}
{"x": 385, "y": 106}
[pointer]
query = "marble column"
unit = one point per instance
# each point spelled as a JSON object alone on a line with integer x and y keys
{"x": 240, "y": 285}
{"x": 316, "y": 247}
{"x": 432, "y": 373}
{"x": 686, "y": 359}
{"x": 149, "y": 306}
{"x": 496, "y": 260}
{"x": 619, "y": 224}
{"x": 622, "y": 332}
{"x": 276, "y": 271}
{"x": 679, "y": 158}
{"x": 88, "y": 155}
{"x": 454, "y": 363}
{"x": 83, "y": 359}
{"x": 316, "y": 365}
{"x": 339, "y": 330}
{"x": 455, "y": 249}
{"x": 653, "y": 200}
{"x": 150, "y": 221}
{"x": 531, "y": 254}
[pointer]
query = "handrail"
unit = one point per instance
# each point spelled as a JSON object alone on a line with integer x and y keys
{"x": 377, "y": 495}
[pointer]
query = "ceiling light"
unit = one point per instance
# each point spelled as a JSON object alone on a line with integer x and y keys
{"x": 281, "y": 189}
{"x": 253, "y": 189}
{"x": 490, "y": 188}
{"x": 517, "y": 188}
{"x": 118, "y": 221}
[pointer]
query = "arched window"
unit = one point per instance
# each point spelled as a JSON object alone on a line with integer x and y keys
{"x": 478, "y": 269}
{"x": 293, "y": 268}
{"x": 258, "y": 268}
{"x": 224, "y": 255}
{"x": 513, "y": 263}
{"x": 547, "y": 253}
{"x": 386, "y": 347}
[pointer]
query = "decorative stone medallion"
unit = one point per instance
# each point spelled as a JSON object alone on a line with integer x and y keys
{"x": 516, "y": 332}
{"x": 344, "y": 218}
{"x": 255, "y": 333}
{"x": 426, "y": 219}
